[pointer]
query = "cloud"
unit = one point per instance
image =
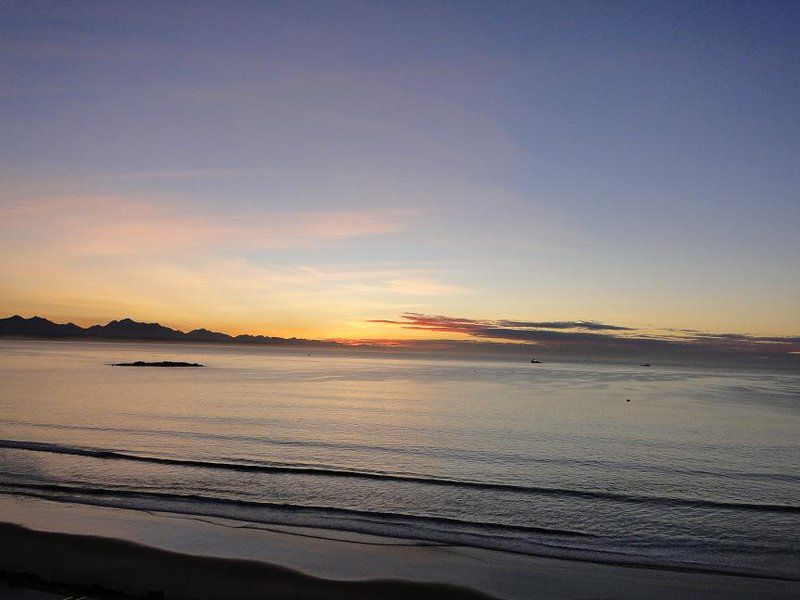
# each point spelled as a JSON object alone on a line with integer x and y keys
{"x": 243, "y": 276}
{"x": 187, "y": 174}
{"x": 482, "y": 327}
{"x": 399, "y": 282}
{"x": 590, "y": 337}
{"x": 423, "y": 287}
{"x": 590, "y": 325}
{"x": 119, "y": 226}
{"x": 78, "y": 255}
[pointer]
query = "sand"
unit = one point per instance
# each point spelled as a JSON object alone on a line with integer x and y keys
{"x": 136, "y": 552}
{"x": 103, "y": 566}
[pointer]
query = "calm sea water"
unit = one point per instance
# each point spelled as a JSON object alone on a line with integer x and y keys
{"x": 701, "y": 469}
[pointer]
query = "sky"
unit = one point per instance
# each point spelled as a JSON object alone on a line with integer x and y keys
{"x": 339, "y": 169}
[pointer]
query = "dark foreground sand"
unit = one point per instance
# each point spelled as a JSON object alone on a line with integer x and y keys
{"x": 113, "y": 568}
{"x": 185, "y": 556}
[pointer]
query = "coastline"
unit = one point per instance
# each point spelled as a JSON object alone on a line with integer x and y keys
{"x": 112, "y": 567}
{"x": 136, "y": 552}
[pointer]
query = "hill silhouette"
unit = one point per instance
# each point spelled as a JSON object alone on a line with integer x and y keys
{"x": 128, "y": 329}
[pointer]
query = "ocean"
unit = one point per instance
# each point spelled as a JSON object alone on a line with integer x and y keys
{"x": 687, "y": 467}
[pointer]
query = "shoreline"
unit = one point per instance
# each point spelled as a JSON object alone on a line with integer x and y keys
{"x": 351, "y": 536}
{"x": 319, "y": 562}
{"x": 108, "y": 567}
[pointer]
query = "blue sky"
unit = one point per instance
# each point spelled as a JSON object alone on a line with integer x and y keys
{"x": 307, "y": 168}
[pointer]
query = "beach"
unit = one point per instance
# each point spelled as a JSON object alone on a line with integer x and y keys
{"x": 103, "y": 566}
{"x": 67, "y": 547}
{"x": 346, "y": 469}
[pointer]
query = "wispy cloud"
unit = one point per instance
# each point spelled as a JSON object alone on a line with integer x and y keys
{"x": 483, "y": 327}
{"x": 187, "y": 174}
{"x": 589, "y": 325}
{"x": 119, "y": 226}
{"x": 596, "y": 337}
{"x": 400, "y": 283}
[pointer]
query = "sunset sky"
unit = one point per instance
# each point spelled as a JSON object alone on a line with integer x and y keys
{"x": 320, "y": 169}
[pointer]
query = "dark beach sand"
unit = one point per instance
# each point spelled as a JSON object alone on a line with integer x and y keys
{"x": 114, "y": 568}
{"x": 68, "y": 547}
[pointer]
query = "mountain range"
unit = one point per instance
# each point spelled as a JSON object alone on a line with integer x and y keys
{"x": 134, "y": 330}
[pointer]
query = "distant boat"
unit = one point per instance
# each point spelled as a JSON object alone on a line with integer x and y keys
{"x": 536, "y": 362}
{"x": 644, "y": 365}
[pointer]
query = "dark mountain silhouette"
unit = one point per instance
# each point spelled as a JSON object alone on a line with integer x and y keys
{"x": 129, "y": 329}
{"x": 261, "y": 339}
{"x": 37, "y": 326}
{"x": 208, "y": 336}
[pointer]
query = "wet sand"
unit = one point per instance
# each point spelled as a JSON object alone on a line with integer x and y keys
{"x": 193, "y": 557}
{"x": 108, "y": 567}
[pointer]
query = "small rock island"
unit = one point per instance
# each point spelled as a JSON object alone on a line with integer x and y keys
{"x": 163, "y": 363}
